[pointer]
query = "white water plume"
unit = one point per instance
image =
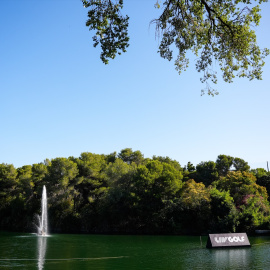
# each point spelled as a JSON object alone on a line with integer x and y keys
{"x": 43, "y": 218}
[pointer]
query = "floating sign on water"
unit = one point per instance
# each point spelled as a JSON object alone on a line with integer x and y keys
{"x": 227, "y": 240}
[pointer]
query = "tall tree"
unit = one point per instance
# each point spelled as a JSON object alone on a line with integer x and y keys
{"x": 129, "y": 156}
{"x": 264, "y": 180}
{"x": 8, "y": 175}
{"x": 91, "y": 181}
{"x": 60, "y": 172}
{"x": 59, "y": 181}
{"x": 26, "y": 183}
{"x": 206, "y": 172}
{"x": 224, "y": 164}
{"x": 224, "y": 215}
{"x": 216, "y": 31}
{"x": 8, "y": 183}
{"x": 170, "y": 161}
{"x": 240, "y": 184}
{"x": 249, "y": 197}
{"x": 142, "y": 194}
{"x": 240, "y": 165}
{"x": 195, "y": 206}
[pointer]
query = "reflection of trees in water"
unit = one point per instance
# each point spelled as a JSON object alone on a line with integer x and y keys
{"x": 42, "y": 246}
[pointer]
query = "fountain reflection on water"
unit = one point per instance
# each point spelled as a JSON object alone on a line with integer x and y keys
{"x": 42, "y": 246}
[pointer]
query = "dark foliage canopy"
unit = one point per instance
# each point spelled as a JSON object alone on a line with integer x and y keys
{"x": 127, "y": 193}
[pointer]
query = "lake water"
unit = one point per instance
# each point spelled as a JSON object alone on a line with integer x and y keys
{"x": 111, "y": 252}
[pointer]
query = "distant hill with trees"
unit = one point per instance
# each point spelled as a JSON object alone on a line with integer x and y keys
{"x": 127, "y": 193}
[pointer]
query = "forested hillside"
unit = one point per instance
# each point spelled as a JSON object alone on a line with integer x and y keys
{"x": 127, "y": 193}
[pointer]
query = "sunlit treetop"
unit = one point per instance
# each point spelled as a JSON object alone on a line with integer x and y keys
{"x": 215, "y": 31}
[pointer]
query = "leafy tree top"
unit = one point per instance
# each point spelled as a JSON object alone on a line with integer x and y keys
{"x": 216, "y": 31}
{"x": 240, "y": 184}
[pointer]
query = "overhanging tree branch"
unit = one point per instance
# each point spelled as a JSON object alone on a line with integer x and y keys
{"x": 217, "y": 30}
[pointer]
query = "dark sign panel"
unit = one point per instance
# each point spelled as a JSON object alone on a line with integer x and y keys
{"x": 227, "y": 240}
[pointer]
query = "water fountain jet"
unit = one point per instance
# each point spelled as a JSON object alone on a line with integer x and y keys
{"x": 43, "y": 219}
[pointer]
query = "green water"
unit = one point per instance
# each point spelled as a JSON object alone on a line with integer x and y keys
{"x": 28, "y": 251}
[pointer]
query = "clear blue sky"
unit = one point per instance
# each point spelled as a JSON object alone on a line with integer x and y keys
{"x": 58, "y": 99}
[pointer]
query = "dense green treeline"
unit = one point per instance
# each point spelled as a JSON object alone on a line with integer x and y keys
{"x": 127, "y": 193}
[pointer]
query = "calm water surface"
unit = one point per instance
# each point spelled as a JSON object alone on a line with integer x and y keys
{"x": 28, "y": 251}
